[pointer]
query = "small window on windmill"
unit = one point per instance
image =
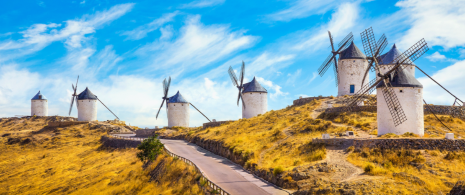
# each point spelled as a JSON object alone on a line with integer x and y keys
{"x": 401, "y": 91}
{"x": 40, "y": 96}
{"x": 182, "y": 104}
{"x": 354, "y": 60}
{"x": 419, "y": 91}
{"x": 250, "y": 93}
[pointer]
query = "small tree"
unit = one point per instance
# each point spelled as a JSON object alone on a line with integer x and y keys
{"x": 149, "y": 149}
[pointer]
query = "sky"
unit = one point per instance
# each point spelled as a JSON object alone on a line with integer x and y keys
{"x": 122, "y": 51}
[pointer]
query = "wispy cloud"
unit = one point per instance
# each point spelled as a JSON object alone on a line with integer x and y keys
{"x": 270, "y": 85}
{"x": 197, "y": 46}
{"x": 141, "y": 31}
{"x": 202, "y": 4}
{"x": 74, "y": 32}
{"x": 304, "y": 8}
{"x": 436, "y": 56}
{"x": 441, "y": 23}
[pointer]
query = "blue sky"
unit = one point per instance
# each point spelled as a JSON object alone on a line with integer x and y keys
{"x": 122, "y": 50}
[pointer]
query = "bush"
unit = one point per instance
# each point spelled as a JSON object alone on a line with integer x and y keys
{"x": 150, "y": 148}
{"x": 350, "y": 149}
{"x": 278, "y": 170}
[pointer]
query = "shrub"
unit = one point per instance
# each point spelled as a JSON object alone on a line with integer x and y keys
{"x": 149, "y": 149}
{"x": 350, "y": 149}
{"x": 278, "y": 170}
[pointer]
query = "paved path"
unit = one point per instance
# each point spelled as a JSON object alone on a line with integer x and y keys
{"x": 223, "y": 172}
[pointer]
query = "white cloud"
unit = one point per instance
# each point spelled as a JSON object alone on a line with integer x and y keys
{"x": 450, "y": 78}
{"x": 436, "y": 56}
{"x": 74, "y": 32}
{"x": 196, "y": 46}
{"x": 293, "y": 77}
{"x": 441, "y": 23}
{"x": 304, "y": 8}
{"x": 202, "y": 3}
{"x": 314, "y": 75}
{"x": 341, "y": 22}
{"x": 141, "y": 31}
{"x": 462, "y": 53}
{"x": 275, "y": 87}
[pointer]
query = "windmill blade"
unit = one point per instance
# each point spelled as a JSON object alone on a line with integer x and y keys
{"x": 412, "y": 53}
{"x": 200, "y": 112}
{"x": 347, "y": 39}
{"x": 336, "y": 74}
{"x": 397, "y": 113}
{"x": 369, "y": 42}
{"x": 160, "y": 108}
{"x": 107, "y": 107}
{"x": 456, "y": 98}
{"x": 239, "y": 97}
{"x": 382, "y": 43}
{"x": 331, "y": 41}
{"x": 77, "y": 80}
{"x": 71, "y": 105}
{"x": 164, "y": 87}
{"x": 326, "y": 64}
{"x": 233, "y": 76}
{"x": 243, "y": 103}
{"x": 242, "y": 73}
{"x": 168, "y": 86}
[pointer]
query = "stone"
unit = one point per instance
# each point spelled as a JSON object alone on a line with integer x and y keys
{"x": 450, "y": 136}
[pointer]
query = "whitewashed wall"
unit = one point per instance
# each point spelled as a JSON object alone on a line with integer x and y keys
{"x": 87, "y": 110}
{"x": 39, "y": 107}
{"x": 385, "y": 68}
{"x": 255, "y": 103}
{"x": 351, "y": 72}
{"x": 178, "y": 114}
{"x": 411, "y": 100}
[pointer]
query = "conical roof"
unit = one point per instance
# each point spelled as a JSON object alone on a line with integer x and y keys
{"x": 39, "y": 96}
{"x": 402, "y": 79}
{"x": 253, "y": 86}
{"x": 177, "y": 99}
{"x": 86, "y": 95}
{"x": 389, "y": 56}
{"x": 352, "y": 52}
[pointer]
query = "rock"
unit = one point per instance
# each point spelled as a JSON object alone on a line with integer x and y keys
{"x": 458, "y": 189}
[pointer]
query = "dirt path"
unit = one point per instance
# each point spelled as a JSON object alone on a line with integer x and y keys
{"x": 336, "y": 156}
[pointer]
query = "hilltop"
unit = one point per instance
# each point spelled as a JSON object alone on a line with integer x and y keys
{"x": 37, "y": 159}
{"x": 278, "y": 146}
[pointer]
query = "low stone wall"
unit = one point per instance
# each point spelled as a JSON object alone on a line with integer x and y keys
{"x": 66, "y": 123}
{"x": 354, "y": 109}
{"x": 119, "y": 143}
{"x": 455, "y": 111}
{"x": 145, "y": 132}
{"x": 303, "y": 101}
{"x": 407, "y": 143}
{"x": 215, "y": 124}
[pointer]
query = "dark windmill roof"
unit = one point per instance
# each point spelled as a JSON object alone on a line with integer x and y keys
{"x": 177, "y": 98}
{"x": 86, "y": 95}
{"x": 253, "y": 86}
{"x": 402, "y": 79}
{"x": 389, "y": 56}
{"x": 39, "y": 96}
{"x": 352, "y": 52}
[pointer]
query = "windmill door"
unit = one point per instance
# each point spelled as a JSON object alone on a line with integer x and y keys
{"x": 352, "y": 88}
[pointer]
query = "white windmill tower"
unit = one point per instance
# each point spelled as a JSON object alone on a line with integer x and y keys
{"x": 39, "y": 105}
{"x": 86, "y": 103}
{"x": 177, "y": 107}
{"x": 254, "y": 96}
{"x": 410, "y": 94}
{"x": 348, "y": 70}
{"x": 395, "y": 82}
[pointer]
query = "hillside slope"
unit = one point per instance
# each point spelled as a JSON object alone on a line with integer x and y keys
{"x": 36, "y": 159}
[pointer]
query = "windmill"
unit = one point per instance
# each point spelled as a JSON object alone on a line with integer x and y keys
{"x": 251, "y": 93}
{"x": 86, "y": 103}
{"x": 393, "y": 104}
{"x": 177, "y": 107}
{"x": 238, "y": 82}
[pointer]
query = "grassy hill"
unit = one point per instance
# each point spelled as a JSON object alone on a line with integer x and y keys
{"x": 282, "y": 141}
{"x": 35, "y": 159}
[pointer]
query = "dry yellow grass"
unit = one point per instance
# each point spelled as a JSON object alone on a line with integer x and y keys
{"x": 254, "y": 136}
{"x": 71, "y": 160}
{"x": 425, "y": 171}
{"x": 364, "y": 120}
